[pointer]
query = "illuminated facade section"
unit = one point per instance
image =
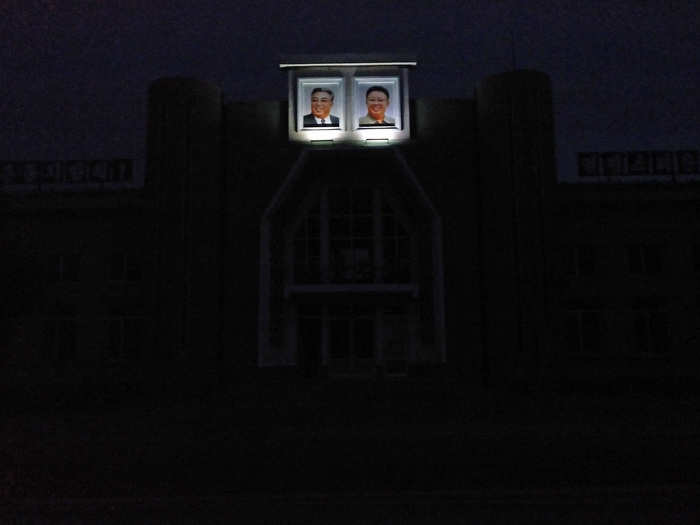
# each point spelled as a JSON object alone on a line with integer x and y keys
{"x": 341, "y": 100}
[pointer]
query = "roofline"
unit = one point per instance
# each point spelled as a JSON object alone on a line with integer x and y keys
{"x": 346, "y": 64}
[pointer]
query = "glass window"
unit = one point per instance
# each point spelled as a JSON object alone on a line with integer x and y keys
{"x": 585, "y": 259}
{"x": 583, "y": 332}
{"x": 645, "y": 259}
{"x": 58, "y": 340}
{"x": 696, "y": 258}
{"x": 351, "y": 241}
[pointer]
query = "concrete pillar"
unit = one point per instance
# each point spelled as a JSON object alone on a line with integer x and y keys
{"x": 185, "y": 180}
{"x": 516, "y": 167}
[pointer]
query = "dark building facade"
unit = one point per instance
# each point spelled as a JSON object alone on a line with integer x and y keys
{"x": 453, "y": 250}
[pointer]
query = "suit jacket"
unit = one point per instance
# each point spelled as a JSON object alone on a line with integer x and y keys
{"x": 310, "y": 121}
{"x": 369, "y": 121}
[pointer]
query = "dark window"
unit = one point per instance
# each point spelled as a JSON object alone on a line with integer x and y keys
{"x": 351, "y": 337}
{"x": 653, "y": 259}
{"x": 395, "y": 339}
{"x": 364, "y": 338}
{"x": 635, "y": 259}
{"x": 116, "y": 267}
{"x": 71, "y": 267}
{"x": 133, "y": 269}
{"x": 651, "y": 333}
{"x": 125, "y": 338}
{"x": 579, "y": 260}
{"x": 659, "y": 332}
{"x": 63, "y": 268}
{"x": 645, "y": 259}
{"x": 339, "y": 338}
{"x": 585, "y": 259}
{"x": 397, "y": 249}
{"x": 584, "y": 332}
{"x": 696, "y": 258}
{"x": 58, "y": 341}
{"x": 351, "y": 257}
{"x": 125, "y": 267}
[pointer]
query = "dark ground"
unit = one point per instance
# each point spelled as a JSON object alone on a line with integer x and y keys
{"x": 348, "y": 452}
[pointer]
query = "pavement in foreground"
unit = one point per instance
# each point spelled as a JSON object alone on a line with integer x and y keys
{"x": 355, "y": 455}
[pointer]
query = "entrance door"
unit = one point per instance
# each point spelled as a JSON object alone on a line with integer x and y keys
{"x": 309, "y": 337}
{"x": 395, "y": 340}
{"x": 351, "y": 339}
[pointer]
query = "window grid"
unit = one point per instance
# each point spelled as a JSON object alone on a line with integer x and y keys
{"x": 645, "y": 259}
{"x": 63, "y": 268}
{"x": 58, "y": 342}
{"x": 124, "y": 267}
{"x": 124, "y": 338}
{"x": 584, "y": 332}
{"x": 352, "y": 241}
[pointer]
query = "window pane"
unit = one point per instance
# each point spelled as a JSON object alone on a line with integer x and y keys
{"x": 363, "y": 268}
{"x": 340, "y": 226}
{"x": 309, "y": 310}
{"x": 568, "y": 260}
{"x": 339, "y": 338}
{"x": 48, "y": 340}
{"x": 362, "y": 200}
{"x": 389, "y": 225}
{"x": 403, "y": 273}
{"x": 395, "y": 332}
{"x": 659, "y": 332}
{"x": 133, "y": 270}
{"x": 116, "y": 267}
{"x": 641, "y": 334}
{"x": 340, "y": 310}
{"x": 586, "y": 260}
{"x": 53, "y": 268}
{"x": 572, "y": 335}
{"x": 364, "y": 226}
{"x": 653, "y": 257}
{"x": 696, "y": 257}
{"x": 114, "y": 328}
{"x": 590, "y": 332}
{"x": 71, "y": 267}
{"x": 339, "y": 200}
{"x": 314, "y": 247}
{"x": 300, "y": 251}
{"x": 634, "y": 258}
{"x": 66, "y": 342}
{"x": 309, "y": 344}
{"x": 404, "y": 247}
{"x": 133, "y": 334}
{"x": 341, "y": 261}
{"x": 313, "y": 223}
{"x": 364, "y": 338}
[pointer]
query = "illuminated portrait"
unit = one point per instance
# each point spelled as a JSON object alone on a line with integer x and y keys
{"x": 377, "y": 103}
{"x": 320, "y": 103}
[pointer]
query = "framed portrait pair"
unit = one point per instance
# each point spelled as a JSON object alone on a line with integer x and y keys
{"x": 368, "y": 103}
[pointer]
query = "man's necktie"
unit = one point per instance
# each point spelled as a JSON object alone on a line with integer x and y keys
{"x": 323, "y": 122}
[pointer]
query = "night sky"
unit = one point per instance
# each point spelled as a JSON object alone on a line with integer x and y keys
{"x": 74, "y": 74}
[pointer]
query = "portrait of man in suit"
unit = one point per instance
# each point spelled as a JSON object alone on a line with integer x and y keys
{"x": 377, "y": 100}
{"x": 321, "y": 104}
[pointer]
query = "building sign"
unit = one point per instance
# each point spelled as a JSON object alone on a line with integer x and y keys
{"x": 637, "y": 165}
{"x": 687, "y": 162}
{"x": 70, "y": 175}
